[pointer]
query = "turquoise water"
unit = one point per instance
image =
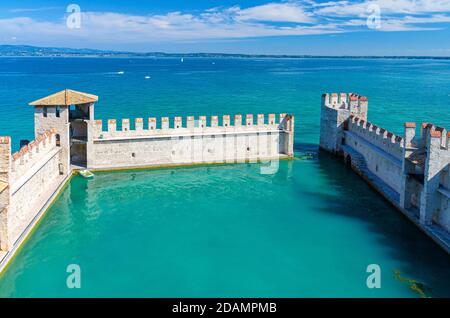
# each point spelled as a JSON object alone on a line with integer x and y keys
{"x": 309, "y": 230}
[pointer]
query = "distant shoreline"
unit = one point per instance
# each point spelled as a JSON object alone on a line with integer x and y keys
{"x": 236, "y": 57}
{"x": 17, "y": 51}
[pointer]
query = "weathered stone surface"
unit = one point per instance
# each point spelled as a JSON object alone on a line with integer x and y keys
{"x": 195, "y": 143}
{"x": 412, "y": 171}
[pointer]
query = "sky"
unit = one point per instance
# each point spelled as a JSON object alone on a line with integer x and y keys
{"x": 316, "y": 27}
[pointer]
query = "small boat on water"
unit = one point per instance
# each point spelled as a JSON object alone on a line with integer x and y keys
{"x": 182, "y": 60}
{"x": 86, "y": 174}
{"x": 121, "y": 72}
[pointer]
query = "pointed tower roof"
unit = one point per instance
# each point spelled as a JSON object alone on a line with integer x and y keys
{"x": 65, "y": 98}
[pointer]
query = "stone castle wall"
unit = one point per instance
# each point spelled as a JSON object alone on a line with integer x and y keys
{"x": 34, "y": 174}
{"x": 330, "y": 130}
{"x": 435, "y": 197}
{"x": 344, "y": 124}
{"x": 190, "y": 142}
{"x": 335, "y": 111}
{"x": 381, "y": 149}
{"x": 377, "y": 136}
{"x": 411, "y": 171}
{"x": 58, "y": 123}
{"x": 5, "y": 172}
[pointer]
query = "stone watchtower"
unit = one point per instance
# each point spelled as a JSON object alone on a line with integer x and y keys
{"x": 70, "y": 113}
{"x": 335, "y": 111}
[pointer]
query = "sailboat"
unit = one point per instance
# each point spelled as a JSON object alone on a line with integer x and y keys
{"x": 182, "y": 60}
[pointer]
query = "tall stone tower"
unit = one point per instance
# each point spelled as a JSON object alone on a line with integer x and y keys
{"x": 335, "y": 111}
{"x": 70, "y": 113}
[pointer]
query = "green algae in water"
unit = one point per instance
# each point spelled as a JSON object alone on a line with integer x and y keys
{"x": 306, "y": 156}
{"x": 310, "y": 230}
{"x": 414, "y": 285}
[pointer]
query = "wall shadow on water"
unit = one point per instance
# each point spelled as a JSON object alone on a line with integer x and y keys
{"x": 305, "y": 147}
{"x": 421, "y": 258}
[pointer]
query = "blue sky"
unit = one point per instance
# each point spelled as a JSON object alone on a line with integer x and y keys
{"x": 321, "y": 27}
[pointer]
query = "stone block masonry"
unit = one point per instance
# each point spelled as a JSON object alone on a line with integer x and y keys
{"x": 29, "y": 176}
{"x": 5, "y": 174}
{"x": 411, "y": 172}
{"x": 68, "y": 137}
{"x": 190, "y": 141}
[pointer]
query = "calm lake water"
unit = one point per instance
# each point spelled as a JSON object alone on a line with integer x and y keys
{"x": 309, "y": 230}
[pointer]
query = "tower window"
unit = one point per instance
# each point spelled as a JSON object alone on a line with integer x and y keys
{"x": 58, "y": 140}
{"x": 44, "y": 111}
{"x": 58, "y": 111}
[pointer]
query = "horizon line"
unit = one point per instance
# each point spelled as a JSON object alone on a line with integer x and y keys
{"x": 78, "y": 51}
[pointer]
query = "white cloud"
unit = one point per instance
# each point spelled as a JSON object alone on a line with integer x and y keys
{"x": 294, "y": 18}
{"x": 276, "y": 12}
{"x": 22, "y": 10}
{"x": 396, "y": 15}
{"x": 388, "y": 7}
{"x": 178, "y": 26}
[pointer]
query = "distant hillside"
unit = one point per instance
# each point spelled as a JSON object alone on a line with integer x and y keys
{"x": 27, "y": 50}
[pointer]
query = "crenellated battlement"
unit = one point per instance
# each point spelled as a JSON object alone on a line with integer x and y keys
{"x": 380, "y": 137}
{"x": 5, "y": 154}
{"x": 27, "y": 178}
{"x": 28, "y": 155}
{"x": 354, "y": 103}
{"x": 189, "y": 124}
{"x": 335, "y": 112}
{"x": 430, "y": 131}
